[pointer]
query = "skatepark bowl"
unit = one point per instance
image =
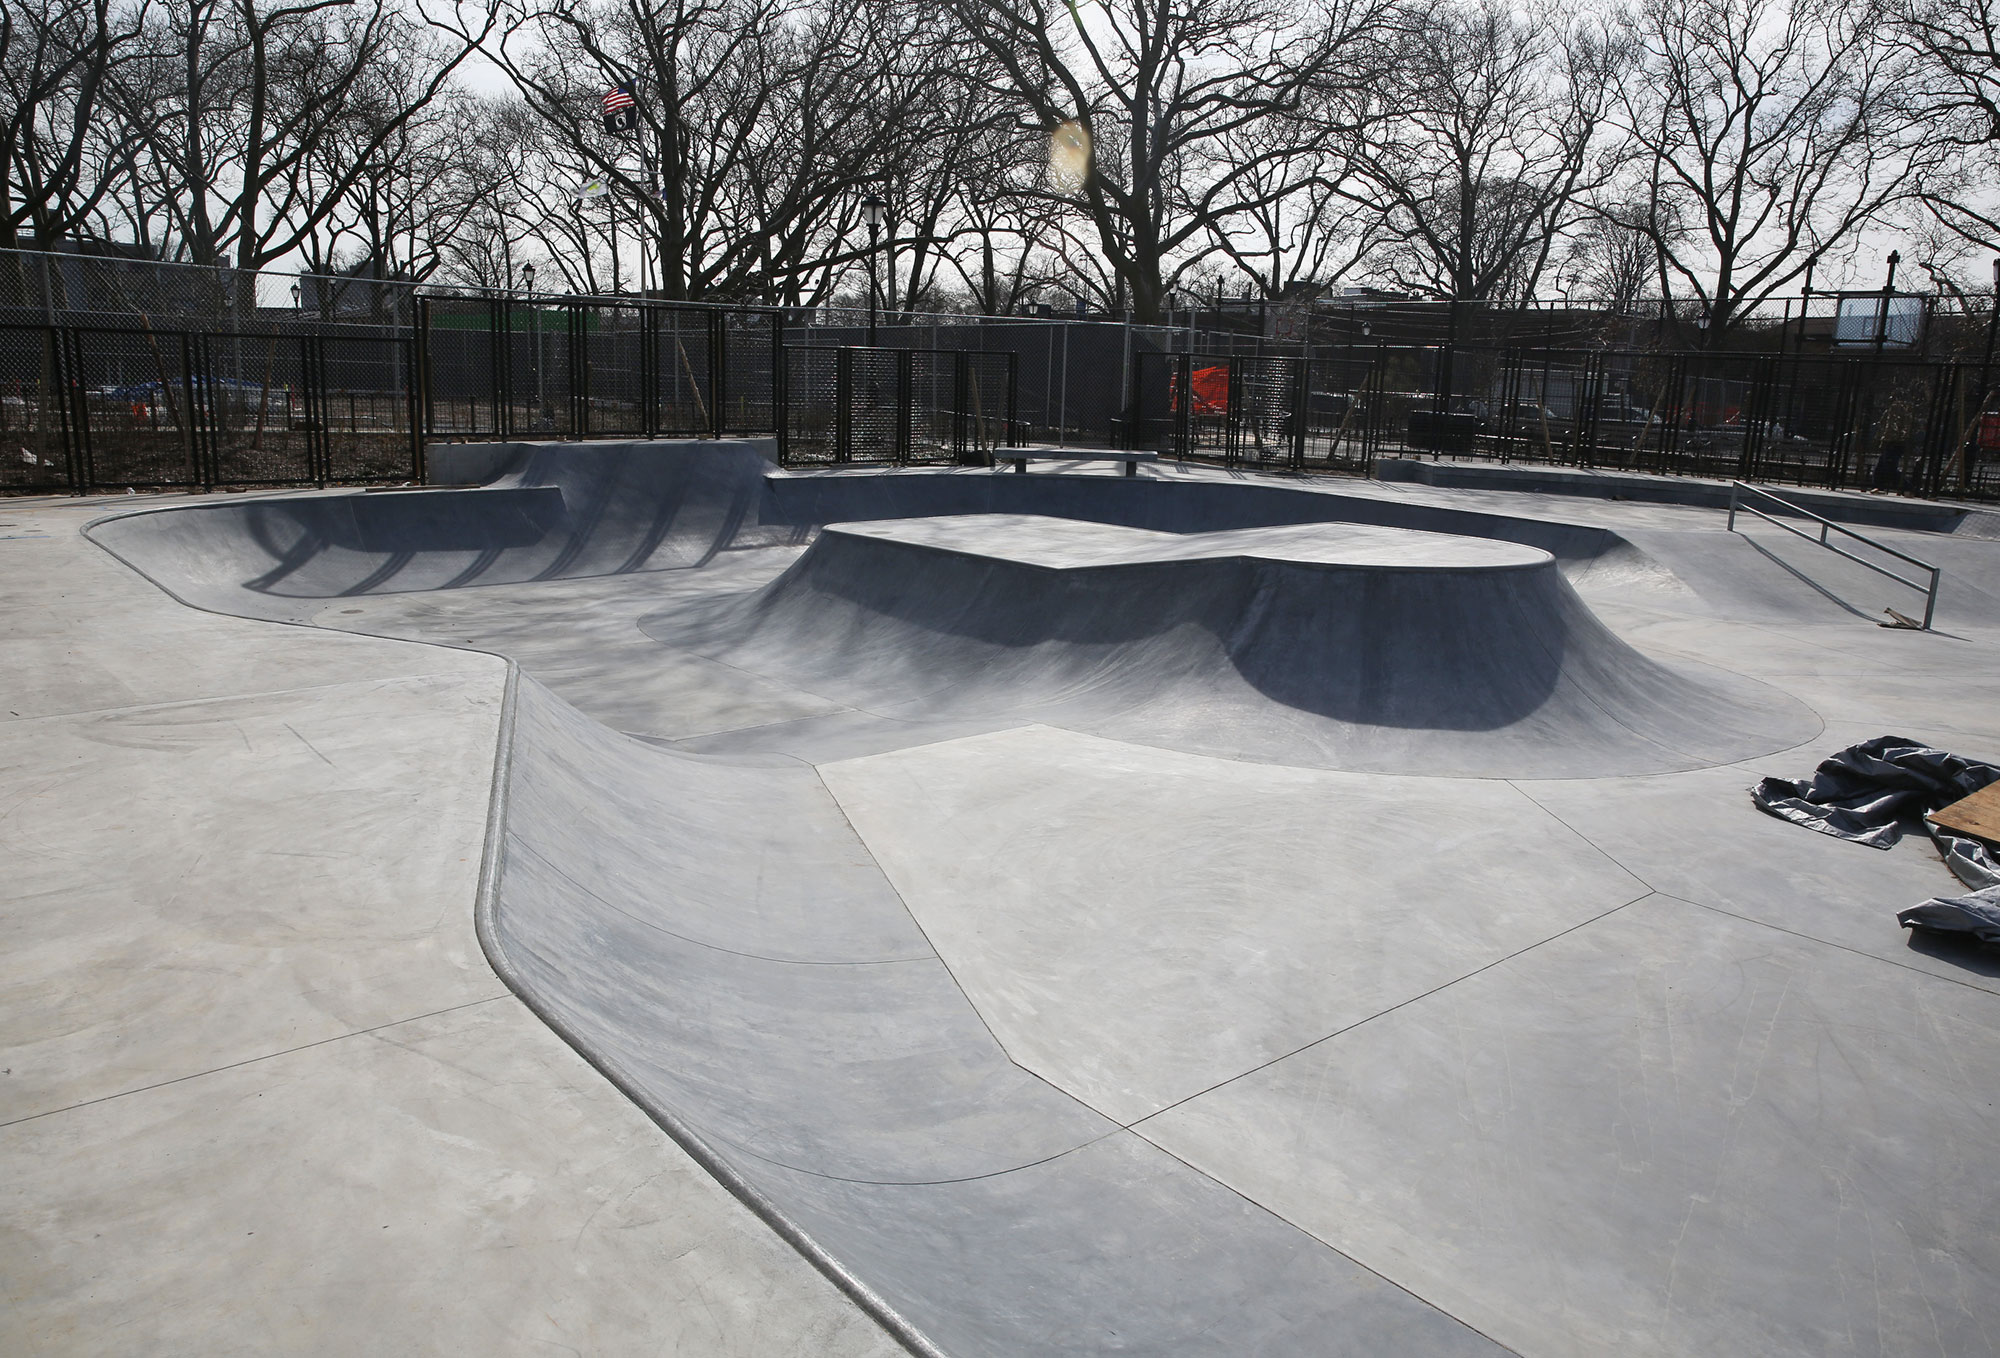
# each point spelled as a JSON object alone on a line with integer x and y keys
{"x": 1212, "y": 914}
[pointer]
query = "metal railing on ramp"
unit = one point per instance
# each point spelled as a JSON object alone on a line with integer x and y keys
{"x": 1828, "y": 526}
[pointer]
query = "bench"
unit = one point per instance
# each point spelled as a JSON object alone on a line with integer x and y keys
{"x": 1043, "y": 452}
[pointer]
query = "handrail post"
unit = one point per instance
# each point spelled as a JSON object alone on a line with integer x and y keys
{"x": 1734, "y": 492}
{"x": 1930, "y": 600}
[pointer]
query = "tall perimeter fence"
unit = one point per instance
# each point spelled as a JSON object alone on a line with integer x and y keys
{"x": 118, "y": 372}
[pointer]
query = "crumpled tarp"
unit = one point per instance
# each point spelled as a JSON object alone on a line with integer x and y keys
{"x": 1872, "y": 792}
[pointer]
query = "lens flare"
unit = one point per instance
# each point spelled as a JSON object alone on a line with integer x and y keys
{"x": 1069, "y": 155}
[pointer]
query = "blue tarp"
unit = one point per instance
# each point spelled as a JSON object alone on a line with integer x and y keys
{"x": 1872, "y": 792}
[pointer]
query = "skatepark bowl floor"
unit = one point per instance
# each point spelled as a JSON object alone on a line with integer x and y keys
{"x": 1060, "y": 913}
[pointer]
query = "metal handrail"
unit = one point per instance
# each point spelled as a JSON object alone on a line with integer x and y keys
{"x": 1826, "y": 525}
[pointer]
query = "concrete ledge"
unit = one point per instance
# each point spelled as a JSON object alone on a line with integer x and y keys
{"x": 1924, "y": 516}
{"x": 479, "y": 464}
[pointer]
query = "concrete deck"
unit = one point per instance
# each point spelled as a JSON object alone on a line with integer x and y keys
{"x": 869, "y": 863}
{"x": 261, "y": 1090}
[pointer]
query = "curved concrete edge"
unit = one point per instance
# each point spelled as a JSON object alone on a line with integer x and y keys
{"x": 492, "y": 853}
{"x": 1040, "y": 542}
{"x": 1105, "y": 1239}
{"x": 567, "y": 512}
{"x": 1458, "y": 668}
{"x": 1171, "y": 506}
{"x": 684, "y": 1135}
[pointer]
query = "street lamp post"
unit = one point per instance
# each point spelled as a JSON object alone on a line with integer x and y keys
{"x": 528, "y": 280}
{"x": 874, "y": 212}
{"x": 1888, "y": 294}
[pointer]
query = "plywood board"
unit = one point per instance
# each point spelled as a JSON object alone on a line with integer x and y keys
{"x": 1977, "y": 815}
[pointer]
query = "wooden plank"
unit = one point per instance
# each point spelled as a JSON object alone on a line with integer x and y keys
{"x": 1977, "y": 815}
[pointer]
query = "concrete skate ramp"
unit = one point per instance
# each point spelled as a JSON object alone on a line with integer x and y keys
{"x": 1334, "y": 646}
{"x": 719, "y": 941}
{"x": 571, "y": 511}
{"x": 566, "y": 512}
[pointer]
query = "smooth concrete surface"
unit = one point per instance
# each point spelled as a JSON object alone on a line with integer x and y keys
{"x": 997, "y": 844}
{"x": 260, "y": 1089}
{"x": 1673, "y": 1132}
{"x": 1340, "y": 646}
{"x": 1042, "y": 1025}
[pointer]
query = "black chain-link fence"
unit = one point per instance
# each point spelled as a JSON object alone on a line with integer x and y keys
{"x": 854, "y": 403}
{"x": 579, "y": 368}
{"x": 1866, "y": 421}
{"x": 109, "y": 407}
{"x": 122, "y": 372}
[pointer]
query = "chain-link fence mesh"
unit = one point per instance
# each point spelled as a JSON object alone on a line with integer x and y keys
{"x": 857, "y": 404}
{"x": 118, "y": 370}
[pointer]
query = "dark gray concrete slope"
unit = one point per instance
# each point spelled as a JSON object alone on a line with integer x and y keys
{"x": 571, "y": 512}
{"x": 718, "y": 940}
{"x": 1328, "y": 646}
{"x": 1163, "y": 506}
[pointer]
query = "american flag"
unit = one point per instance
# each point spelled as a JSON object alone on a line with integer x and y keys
{"x": 621, "y": 109}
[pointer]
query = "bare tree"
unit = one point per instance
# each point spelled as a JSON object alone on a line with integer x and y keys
{"x": 1000, "y": 226}
{"x": 1302, "y": 227}
{"x": 1487, "y": 123}
{"x": 1156, "y": 90}
{"x": 1608, "y": 262}
{"x": 762, "y": 125}
{"x": 57, "y": 161}
{"x": 238, "y": 101}
{"x": 1956, "y": 47}
{"x": 1766, "y": 134}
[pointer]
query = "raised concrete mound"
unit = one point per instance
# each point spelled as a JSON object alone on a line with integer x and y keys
{"x": 1333, "y": 646}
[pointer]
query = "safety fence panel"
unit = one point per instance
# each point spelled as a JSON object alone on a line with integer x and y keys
{"x": 1858, "y": 422}
{"x": 581, "y": 368}
{"x": 748, "y": 346}
{"x": 252, "y": 421}
{"x": 465, "y": 361}
{"x": 986, "y": 404}
{"x": 854, "y": 403}
{"x": 1281, "y": 412}
{"x": 1347, "y": 414}
{"x": 35, "y": 447}
{"x": 685, "y": 372}
{"x": 107, "y": 408}
{"x": 139, "y": 409}
{"x": 364, "y": 408}
{"x": 1267, "y": 400}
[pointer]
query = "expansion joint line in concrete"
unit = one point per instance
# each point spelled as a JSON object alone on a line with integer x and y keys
{"x": 255, "y": 1060}
{"x": 925, "y": 933}
{"x": 1137, "y": 1124}
{"x": 1326, "y": 1244}
{"x": 1828, "y": 943}
{"x": 697, "y": 1147}
{"x": 1603, "y": 852}
{"x": 1742, "y": 918}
